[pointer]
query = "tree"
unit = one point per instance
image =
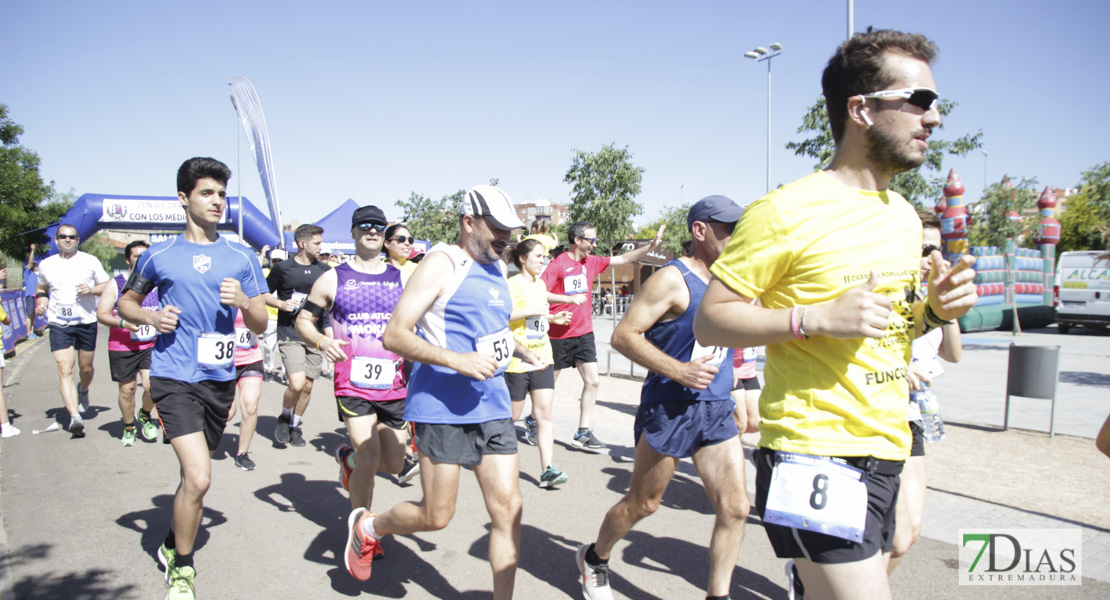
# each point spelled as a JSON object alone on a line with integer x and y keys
{"x": 1096, "y": 186}
{"x": 1079, "y": 226}
{"x": 604, "y": 186}
{"x": 27, "y": 205}
{"x": 991, "y": 224}
{"x": 100, "y": 246}
{"x": 675, "y": 233}
{"x": 432, "y": 220}
{"x": 912, "y": 185}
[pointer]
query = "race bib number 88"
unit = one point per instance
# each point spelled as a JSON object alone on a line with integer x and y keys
{"x": 817, "y": 494}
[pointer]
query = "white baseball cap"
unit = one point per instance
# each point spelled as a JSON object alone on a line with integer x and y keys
{"x": 493, "y": 204}
{"x": 325, "y": 249}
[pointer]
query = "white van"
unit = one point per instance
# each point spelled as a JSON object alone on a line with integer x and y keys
{"x": 1082, "y": 291}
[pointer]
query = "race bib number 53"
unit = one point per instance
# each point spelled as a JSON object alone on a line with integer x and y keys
{"x": 817, "y": 494}
{"x": 500, "y": 345}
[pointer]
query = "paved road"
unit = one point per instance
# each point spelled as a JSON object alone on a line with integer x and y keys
{"x": 82, "y": 518}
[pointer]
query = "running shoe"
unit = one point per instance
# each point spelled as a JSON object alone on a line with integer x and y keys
{"x": 296, "y": 437}
{"x": 8, "y": 430}
{"x": 281, "y": 434}
{"x": 584, "y": 438}
{"x": 794, "y": 588}
{"x": 181, "y": 584}
{"x": 244, "y": 462}
{"x": 129, "y": 434}
{"x": 76, "y": 428}
{"x": 529, "y": 430}
{"x": 361, "y": 548}
{"x": 410, "y": 470}
{"x": 33, "y": 336}
{"x": 341, "y": 455}
{"x": 167, "y": 557}
{"x": 595, "y": 580}
{"x": 149, "y": 429}
{"x": 82, "y": 400}
{"x": 552, "y": 477}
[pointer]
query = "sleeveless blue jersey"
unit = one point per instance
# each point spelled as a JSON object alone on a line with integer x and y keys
{"x": 676, "y": 339}
{"x": 188, "y": 276}
{"x": 474, "y": 310}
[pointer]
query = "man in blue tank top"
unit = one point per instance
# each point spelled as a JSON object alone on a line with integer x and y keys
{"x": 685, "y": 406}
{"x": 458, "y": 302}
{"x": 202, "y": 279}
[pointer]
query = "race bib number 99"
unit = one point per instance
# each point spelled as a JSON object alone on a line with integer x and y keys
{"x": 373, "y": 373}
{"x": 500, "y": 345}
{"x": 817, "y": 494}
{"x": 575, "y": 284}
{"x": 215, "y": 350}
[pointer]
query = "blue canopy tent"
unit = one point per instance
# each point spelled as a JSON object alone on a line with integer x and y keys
{"x": 337, "y": 229}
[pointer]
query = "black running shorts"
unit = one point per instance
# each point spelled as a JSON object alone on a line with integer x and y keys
{"x": 185, "y": 408}
{"x": 80, "y": 336}
{"x": 570, "y": 352}
{"x": 465, "y": 444}
{"x": 522, "y": 383}
{"x": 126, "y": 364}
{"x": 390, "y": 413}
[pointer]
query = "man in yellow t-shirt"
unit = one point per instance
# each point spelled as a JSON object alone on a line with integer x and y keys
{"x": 833, "y": 259}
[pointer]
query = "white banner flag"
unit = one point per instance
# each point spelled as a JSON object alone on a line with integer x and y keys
{"x": 249, "y": 109}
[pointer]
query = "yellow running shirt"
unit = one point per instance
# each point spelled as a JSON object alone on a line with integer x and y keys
{"x": 532, "y": 332}
{"x": 807, "y": 243}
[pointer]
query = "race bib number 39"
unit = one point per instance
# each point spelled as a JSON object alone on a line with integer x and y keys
{"x": 373, "y": 373}
{"x": 817, "y": 494}
{"x": 575, "y": 284}
{"x": 500, "y": 345}
{"x": 215, "y": 350}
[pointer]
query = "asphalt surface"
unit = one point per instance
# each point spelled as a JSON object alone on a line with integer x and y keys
{"x": 83, "y": 518}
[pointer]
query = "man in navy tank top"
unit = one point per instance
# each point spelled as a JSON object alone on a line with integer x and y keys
{"x": 452, "y": 322}
{"x": 202, "y": 279}
{"x": 685, "y": 407}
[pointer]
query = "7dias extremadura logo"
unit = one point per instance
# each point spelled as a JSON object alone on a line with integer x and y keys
{"x": 1021, "y": 557}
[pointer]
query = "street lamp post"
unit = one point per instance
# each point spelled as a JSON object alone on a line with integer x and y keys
{"x": 760, "y": 54}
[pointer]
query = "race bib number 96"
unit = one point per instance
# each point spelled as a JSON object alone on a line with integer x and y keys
{"x": 535, "y": 327}
{"x": 817, "y": 494}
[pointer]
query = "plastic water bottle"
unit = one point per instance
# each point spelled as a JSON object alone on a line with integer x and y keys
{"x": 931, "y": 422}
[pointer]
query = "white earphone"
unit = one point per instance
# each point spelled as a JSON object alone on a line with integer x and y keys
{"x": 866, "y": 119}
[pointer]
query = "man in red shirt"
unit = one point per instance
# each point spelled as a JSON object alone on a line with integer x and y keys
{"x": 572, "y": 273}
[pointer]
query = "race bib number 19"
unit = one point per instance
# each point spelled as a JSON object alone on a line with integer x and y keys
{"x": 817, "y": 494}
{"x": 500, "y": 345}
{"x": 145, "y": 333}
{"x": 215, "y": 350}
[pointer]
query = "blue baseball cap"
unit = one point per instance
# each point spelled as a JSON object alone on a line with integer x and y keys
{"x": 713, "y": 208}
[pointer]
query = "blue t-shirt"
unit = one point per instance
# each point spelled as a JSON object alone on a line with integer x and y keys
{"x": 188, "y": 276}
{"x": 30, "y": 282}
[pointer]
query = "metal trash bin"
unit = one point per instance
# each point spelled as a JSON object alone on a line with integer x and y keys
{"x": 1033, "y": 372}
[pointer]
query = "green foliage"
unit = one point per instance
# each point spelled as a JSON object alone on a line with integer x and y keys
{"x": 604, "y": 186}
{"x": 1096, "y": 185}
{"x": 991, "y": 227}
{"x": 100, "y": 246}
{"x": 27, "y": 205}
{"x": 913, "y": 185}
{"x": 675, "y": 233}
{"x": 432, "y": 220}
{"x": 1079, "y": 226}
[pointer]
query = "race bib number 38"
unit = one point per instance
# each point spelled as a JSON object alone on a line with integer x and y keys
{"x": 215, "y": 350}
{"x": 817, "y": 494}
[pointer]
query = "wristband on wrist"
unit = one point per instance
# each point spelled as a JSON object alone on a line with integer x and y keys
{"x": 931, "y": 318}
{"x": 802, "y": 323}
{"x": 795, "y": 322}
{"x": 319, "y": 341}
{"x": 120, "y": 323}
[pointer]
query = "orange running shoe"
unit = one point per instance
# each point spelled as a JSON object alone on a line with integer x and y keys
{"x": 361, "y": 548}
{"x": 341, "y": 455}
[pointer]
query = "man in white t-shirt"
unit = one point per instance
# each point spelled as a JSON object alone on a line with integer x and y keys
{"x": 69, "y": 284}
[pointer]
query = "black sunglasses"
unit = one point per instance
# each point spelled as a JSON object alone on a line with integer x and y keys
{"x": 371, "y": 227}
{"x": 927, "y": 250}
{"x": 400, "y": 239}
{"x": 730, "y": 227}
{"x": 62, "y": 236}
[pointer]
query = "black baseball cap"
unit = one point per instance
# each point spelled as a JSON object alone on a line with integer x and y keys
{"x": 368, "y": 214}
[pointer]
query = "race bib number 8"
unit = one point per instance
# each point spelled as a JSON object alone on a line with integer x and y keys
{"x": 575, "y": 284}
{"x": 245, "y": 339}
{"x": 500, "y": 345}
{"x": 535, "y": 327}
{"x": 373, "y": 373}
{"x": 717, "y": 352}
{"x": 145, "y": 333}
{"x": 215, "y": 350}
{"x": 817, "y": 494}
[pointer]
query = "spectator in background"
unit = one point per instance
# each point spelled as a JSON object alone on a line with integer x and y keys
{"x": 6, "y": 428}
{"x": 30, "y": 283}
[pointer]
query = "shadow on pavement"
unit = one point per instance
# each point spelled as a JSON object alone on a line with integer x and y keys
{"x": 682, "y": 493}
{"x": 1024, "y": 510}
{"x": 1085, "y": 378}
{"x": 689, "y": 561}
{"x": 154, "y": 523}
{"x": 93, "y": 584}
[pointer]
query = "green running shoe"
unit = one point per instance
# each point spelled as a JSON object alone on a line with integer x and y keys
{"x": 167, "y": 556}
{"x": 181, "y": 584}
{"x": 128, "y": 436}
{"x": 150, "y": 430}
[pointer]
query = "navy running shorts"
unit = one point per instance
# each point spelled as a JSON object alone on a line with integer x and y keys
{"x": 679, "y": 427}
{"x": 80, "y": 336}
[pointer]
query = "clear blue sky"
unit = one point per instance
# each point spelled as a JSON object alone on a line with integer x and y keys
{"x": 373, "y": 100}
